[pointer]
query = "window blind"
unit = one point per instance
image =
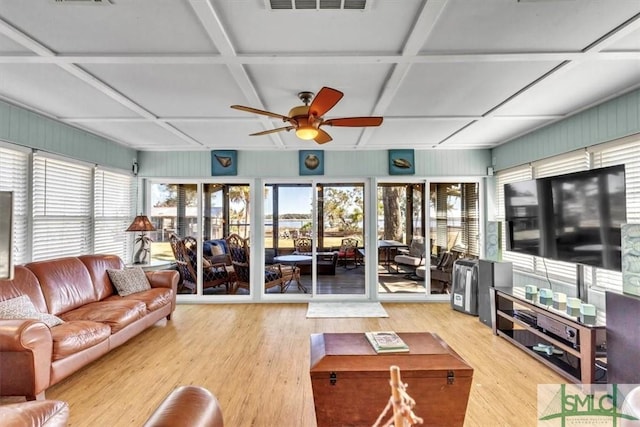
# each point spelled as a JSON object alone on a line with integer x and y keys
{"x": 522, "y": 173}
{"x": 112, "y": 213}
{"x": 470, "y": 217}
{"x": 14, "y": 176}
{"x": 62, "y": 208}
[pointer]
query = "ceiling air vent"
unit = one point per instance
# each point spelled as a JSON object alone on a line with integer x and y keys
{"x": 94, "y": 2}
{"x": 317, "y": 4}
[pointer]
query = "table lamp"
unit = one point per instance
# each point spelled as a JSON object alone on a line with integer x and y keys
{"x": 142, "y": 224}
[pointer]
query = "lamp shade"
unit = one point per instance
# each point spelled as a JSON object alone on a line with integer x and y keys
{"x": 141, "y": 223}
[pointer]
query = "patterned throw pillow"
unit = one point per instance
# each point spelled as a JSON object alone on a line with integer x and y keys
{"x": 22, "y": 308}
{"x": 129, "y": 281}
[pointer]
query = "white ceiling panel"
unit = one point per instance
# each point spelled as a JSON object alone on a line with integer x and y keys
{"x": 254, "y": 29}
{"x": 8, "y": 46}
{"x": 527, "y": 26}
{"x": 225, "y": 134}
{"x": 187, "y": 90}
{"x": 582, "y": 85}
{"x": 143, "y": 135}
{"x": 404, "y": 133}
{"x": 49, "y": 89}
{"x": 162, "y": 74}
{"x": 488, "y": 132}
{"x": 462, "y": 88}
{"x": 126, "y": 26}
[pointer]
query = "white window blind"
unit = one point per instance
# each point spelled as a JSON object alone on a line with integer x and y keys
{"x": 471, "y": 217}
{"x": 14, "y": 176}
{"x": 112, "y": 212}
{"x": 62, "y": 208}
{"x": 611, "y": 155}
{"x": 523, "y": 173}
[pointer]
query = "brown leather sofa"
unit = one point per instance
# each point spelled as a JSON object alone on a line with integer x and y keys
{"x": 78, "y": 290}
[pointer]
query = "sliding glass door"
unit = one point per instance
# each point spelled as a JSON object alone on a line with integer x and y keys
{"x": 319, "y": 229}
{"x": 192, "y": 221}
{"x": 402, "y": 253}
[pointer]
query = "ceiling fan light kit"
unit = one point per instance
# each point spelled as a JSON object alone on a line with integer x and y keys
{"x": 308, "y": 118}
{"x": 307, "y": 133}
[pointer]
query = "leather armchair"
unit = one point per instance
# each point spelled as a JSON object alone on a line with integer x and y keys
{"x": 187, "y": 406}
{"x": 35, "y": 413}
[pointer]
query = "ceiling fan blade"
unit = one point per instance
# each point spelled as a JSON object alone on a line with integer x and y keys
{"x": 256, "y": 111}
{"x": 354, "y": 121}
{"x": 322, "y": 137}
{"x": 325, "y": 100}
{"x": 266, "y": 132}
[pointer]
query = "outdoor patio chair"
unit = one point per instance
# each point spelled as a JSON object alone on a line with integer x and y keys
{"x": 414, "y": 256}
{"x": 303, "y": 245}
{"x": 213, "y": 274}
{"x": 348, "y": 250}
{"x": 274, "y": 275}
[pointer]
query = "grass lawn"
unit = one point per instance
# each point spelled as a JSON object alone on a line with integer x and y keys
{"x": 162, "y": 250}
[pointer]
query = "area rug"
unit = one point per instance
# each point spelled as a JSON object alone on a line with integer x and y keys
{"x": 346, "y": 309}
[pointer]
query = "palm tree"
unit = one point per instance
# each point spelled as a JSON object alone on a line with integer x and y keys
{"x": 239, "y": 194}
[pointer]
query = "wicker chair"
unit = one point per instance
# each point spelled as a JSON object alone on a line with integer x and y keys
{"x": 213, "y": 274}
{"x": 274, "y": 275}
{"x": 303, "y": 245}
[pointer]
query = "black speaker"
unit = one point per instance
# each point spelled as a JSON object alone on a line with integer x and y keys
{"x": 491, "y": 274}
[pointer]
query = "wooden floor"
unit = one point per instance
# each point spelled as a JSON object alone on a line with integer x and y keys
{"x": 255, "y": 359}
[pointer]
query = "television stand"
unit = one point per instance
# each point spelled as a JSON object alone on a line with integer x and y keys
{"x": 559, "y": 341}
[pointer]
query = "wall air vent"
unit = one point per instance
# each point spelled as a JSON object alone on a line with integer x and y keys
{"x": 316, "y": 4}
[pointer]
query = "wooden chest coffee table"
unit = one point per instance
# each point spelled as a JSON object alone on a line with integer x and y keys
{"x": 351, "y": 381}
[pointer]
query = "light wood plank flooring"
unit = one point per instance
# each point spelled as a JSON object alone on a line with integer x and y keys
{"x": 255, "y": 358}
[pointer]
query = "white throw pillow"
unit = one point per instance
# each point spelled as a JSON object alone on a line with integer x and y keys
{"x": 129, "y": 281}
{"x": 22, "y": 308}
{"x": 216, "y": 250}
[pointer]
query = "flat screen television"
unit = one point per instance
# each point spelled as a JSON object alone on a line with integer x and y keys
{"x": 589, "y": 208}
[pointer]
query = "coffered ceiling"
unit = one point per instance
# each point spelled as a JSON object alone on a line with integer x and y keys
{"x": 160, "y": 75}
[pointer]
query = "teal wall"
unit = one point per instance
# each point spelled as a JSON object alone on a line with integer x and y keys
{"x": 23, "y": 127}
{"x": 610, "y": 120}
{"x": 284, "y": 164}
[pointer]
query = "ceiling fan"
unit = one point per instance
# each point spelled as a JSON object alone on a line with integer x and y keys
{"x": 308, "y": 118}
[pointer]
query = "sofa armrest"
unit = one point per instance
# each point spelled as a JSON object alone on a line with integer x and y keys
{"x": 165, "y": 279}
{"x": 42, "y": 413}
{"x": 26, "y": 349}
{"x": 187, "y": 406}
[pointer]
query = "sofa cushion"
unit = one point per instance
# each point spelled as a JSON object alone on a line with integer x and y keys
{"x": 66, "y": 283}
{"x": 22, "y": 308}
{"x": 97, "y": 265}
{"x": 154, "y": 298}
{"x": 129, "y": 280}
{"x": 115, "y": 313}
{"x": 74, "y": 336}
{"x": 24, "y": 282}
